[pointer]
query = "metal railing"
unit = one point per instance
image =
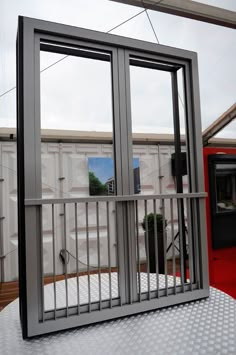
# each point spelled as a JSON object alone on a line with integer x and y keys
{"x": 99, "y": 286}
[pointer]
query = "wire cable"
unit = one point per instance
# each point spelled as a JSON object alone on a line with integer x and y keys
{"x": 7, "y": 92}
{"x": 152, "y": 26}
{"x": 4, "y": 255}
{"x": 77, "y": 259}
{"x": 66, "y": 56}
{"x": 112, "y": 29}
{"x": 51, "y": 65}
{"x": 149, "y": 19}
{"x": 122, "y": 23}
{"x": 158, "y": 42}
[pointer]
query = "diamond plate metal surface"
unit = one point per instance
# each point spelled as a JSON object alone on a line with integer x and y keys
{"x": 94, "y": 288}
{"x": 201, "y": 327}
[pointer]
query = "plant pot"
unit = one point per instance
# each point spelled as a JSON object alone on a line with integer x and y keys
{"x": 151, "y": 222}
{"x": 151, "y": 250}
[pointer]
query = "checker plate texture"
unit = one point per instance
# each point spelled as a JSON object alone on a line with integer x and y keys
{"x": 201, "y": 327}
{"x": 94, "y": 288}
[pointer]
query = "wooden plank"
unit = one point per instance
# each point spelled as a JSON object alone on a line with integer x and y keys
{"x": 189, "y": 9}
{"x": 219, "y": 124}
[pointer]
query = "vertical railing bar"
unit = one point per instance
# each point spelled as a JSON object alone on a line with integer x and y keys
{"x": 129, "y": 253}
{"x": 164, "y": 243}
{"x": 88, "y": 259}
{"x": 173, "y": 243}
{"x": 147, "y": 247}
{"x": 196, "y": 239}
{"x": 117, "y": 255}
{"x": 138, "y": 249}
{"x": 65, "y": 243}
{"x": 156, "y": 246}
{"x": 77, "y": 257}
{"x": 41, "y": 244}
{"x": 99, "y": 256}
{"x": 190, "y": 245}
{"x": 181, "y": 245}
{"x": 54, "y": 263}
{"x": 109, "y": 252}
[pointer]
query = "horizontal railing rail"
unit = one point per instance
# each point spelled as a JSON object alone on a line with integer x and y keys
{"x": 116, "y": 198}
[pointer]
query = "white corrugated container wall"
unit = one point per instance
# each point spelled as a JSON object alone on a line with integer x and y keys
{"x": 65, "y": 174}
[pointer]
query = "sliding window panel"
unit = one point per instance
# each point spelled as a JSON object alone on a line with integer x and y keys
{"x": 158, "y": 110}
{"x": 79, "y": 241}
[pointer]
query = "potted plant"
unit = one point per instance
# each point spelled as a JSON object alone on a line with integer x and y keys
{"x": 148, "y": 226}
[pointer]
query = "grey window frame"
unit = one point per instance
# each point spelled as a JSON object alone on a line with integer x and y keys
{"x": 31, "y": 32}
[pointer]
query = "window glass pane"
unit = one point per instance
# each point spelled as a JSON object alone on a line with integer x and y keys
{"x": 75, "y": 93}
{"x": 226, "y": 187}
{"x": 152, "y": 120}
{"x": 151, "y": 101}
{"x": 77, "y": 161}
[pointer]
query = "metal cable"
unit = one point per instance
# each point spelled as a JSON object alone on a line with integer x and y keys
{"x": 51, "y": 65}
{"x": 4, "y": 255}
{"x": 78, "y": 259}
{"x": 158, "y": 42}
{"x": 149, "y": 19}
{"x": 122, "y": 23}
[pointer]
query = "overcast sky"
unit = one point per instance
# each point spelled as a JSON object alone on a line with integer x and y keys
{"x": 76, "y": 93}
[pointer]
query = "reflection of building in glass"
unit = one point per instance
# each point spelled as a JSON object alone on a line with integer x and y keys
{"x": 110, "y": 184}
{"x": 137, "y": 187}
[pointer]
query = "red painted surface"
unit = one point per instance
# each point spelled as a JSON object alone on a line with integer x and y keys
{"x": 224, "y": 268}
{"x": 222, "y": 263}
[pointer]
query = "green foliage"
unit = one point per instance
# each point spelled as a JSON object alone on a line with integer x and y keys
{"x": 151, "y": 218}
{"x": 96, "y": 187}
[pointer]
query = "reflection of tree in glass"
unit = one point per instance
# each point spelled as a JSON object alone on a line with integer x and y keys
{"x": 96, "y": 187}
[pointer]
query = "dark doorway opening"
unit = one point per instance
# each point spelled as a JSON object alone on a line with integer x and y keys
{"x": 222, "y": 183}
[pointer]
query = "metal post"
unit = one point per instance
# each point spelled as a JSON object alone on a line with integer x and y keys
{"x": 2, "y": 257}
{"x": 178, "y": 174}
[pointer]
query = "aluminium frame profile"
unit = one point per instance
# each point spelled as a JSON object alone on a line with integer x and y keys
{"x": 31, "y": 33}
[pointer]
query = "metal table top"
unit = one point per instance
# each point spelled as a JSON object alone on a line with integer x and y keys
{"x": 201, "y": 327}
